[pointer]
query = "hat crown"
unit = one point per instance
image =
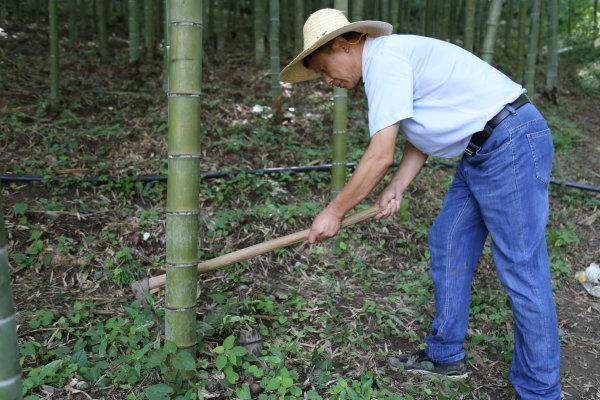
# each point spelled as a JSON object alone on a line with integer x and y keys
{"x": 320, "y": 23}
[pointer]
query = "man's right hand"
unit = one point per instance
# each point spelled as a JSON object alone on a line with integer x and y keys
{"x": 389, "y": 201}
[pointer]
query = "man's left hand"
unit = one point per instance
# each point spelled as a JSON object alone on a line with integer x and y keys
{"x": 324, "y": 226}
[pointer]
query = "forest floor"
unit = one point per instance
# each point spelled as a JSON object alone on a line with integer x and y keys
{"x": 329, "y": 315}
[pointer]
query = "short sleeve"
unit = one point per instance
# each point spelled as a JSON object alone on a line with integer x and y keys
{"x": 389, "y": 89}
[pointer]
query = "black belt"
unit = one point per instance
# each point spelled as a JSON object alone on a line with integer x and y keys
{"x": 479, "y": 138}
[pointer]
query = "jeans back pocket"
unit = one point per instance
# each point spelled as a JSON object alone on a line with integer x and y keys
{"x": 542, "y": 151}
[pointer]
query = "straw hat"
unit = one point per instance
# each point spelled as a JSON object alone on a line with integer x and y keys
{"x": 321, "y": 27}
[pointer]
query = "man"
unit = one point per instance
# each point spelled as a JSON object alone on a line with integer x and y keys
{"x": 447, "y": 102}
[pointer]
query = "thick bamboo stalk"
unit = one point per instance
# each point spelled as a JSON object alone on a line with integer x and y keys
{"x": 384, "y": 10}
{"x": 10, "y": 370}
{"x": 552, "y": 59}
{"x": 470, "y": 24}
{"x": 259, "y": 31}
{"x": 134, "y": 31}
{"x": 185, "y": 58}
{"x": 258, "y": 249}
{"x": 340, "y": 123}
{"x": 54, "y": 55}
{"x": 166, "y": 47}
{"x": 521, "y": 41}
{"x": 487, "y": 52}
{"x": 274, "y": 47}
{"x": 101, "y": 14}
{"x": 532, "y": 48}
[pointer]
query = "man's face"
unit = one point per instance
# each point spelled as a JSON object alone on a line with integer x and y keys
{"x": 340, "y": 67}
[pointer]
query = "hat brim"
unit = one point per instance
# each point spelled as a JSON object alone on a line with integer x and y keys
{"x": 296, "y": 72}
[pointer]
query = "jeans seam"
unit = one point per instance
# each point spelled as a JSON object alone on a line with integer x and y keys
{"x": 449, "y": 257}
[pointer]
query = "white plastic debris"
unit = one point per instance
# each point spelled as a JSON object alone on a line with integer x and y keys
{"x": 258, "y": 109}
{"x": 590, "y": 279}
{"x": 146, "y": 236}
{"x": 2, "y": 33}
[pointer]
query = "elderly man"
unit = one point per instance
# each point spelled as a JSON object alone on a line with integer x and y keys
{"x": 447, "y": 102}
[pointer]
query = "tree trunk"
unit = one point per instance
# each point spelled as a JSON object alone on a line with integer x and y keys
{"x": 552, "y": 59}
{"x": 101, "y": 8}
{"x": 470, "y": 24}
{"x": 150, "y": 29}
{"x": 274, "y": 49}
{"x": 487, "y": 52}
{"x": 10, "y": 370}
{"x": 358, "y": 10}
{"x": 532, "y": 48}
{"x": 340, "y": 122}
{"x": 185, "y": 59}
{"x": 54, "y": 55}
{"x": 134, "y": 31}
{"x": 259, "y": 31}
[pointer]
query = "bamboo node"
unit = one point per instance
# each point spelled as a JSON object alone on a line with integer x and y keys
{"x": 181, "y": 94}
{"x": 186, "y": 212}
{"x": 171, "y": 156}
{"x": 186, "y": 23}
{"x": 182, "y": 265}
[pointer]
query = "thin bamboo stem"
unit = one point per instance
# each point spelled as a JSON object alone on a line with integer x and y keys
{"x": 259, "y": 31}
{"x": 470, "y": 24}
{"x": 101, "y": 13}
{"x": 10, "y": 370}
{"x": 552, "y": 59}
{"x": 532, "y": 48}
{"x": 487, "y": 52}
{"x": 274, "y": 48}
{"x": 134, "y": 31}
{"x": 54, "y": 55}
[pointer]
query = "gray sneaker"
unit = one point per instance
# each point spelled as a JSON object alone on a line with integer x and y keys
{"x": 420, "y": 363}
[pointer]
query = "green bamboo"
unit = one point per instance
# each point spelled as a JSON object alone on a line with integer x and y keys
{"x": 508, "y": 26}
{"x": 521, "y": 40}
{"x": 10, "y": 370}
{"x": 274, "y": 47}
{"x": 149, "y": 28}
{"x": 134, "y": 30}
{"x": 221, "y": 12}
{"x": 298, "y": 24}
{"x": 470, "y": 24}
{"x": 595, "y": 30}
{"x": 394, "y": 14}
{"x": 384, "y": 10}
{"x": 552, "y": 59}
{"x": 532, "y": 47}
{"x": 101, "y": 14}
{"x": 73, "y": 22}
{"x": 569, "y": 19}
{"x": 340, "y": 123}
{"x": 166, "y": 47}
{"x": 54, "y": 55}
{"x": 358, "y": 10}
{"x": 487, "y": 52}
{"x": 445, "y": 26}
{"x": 185, "y": 60}
{"x": 259, "y": 31}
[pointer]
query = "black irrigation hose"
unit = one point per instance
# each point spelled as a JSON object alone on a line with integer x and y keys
{"x": 232, "y": 173}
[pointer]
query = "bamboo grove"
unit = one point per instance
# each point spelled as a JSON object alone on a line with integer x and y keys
{"x": 524, "y": 32}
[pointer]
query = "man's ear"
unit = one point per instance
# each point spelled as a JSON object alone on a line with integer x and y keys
{"x": 340, "y": 43}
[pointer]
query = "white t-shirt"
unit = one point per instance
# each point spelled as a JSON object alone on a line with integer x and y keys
{"x": 438, "y": 92}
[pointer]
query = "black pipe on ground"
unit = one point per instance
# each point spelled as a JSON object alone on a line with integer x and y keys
{"x": 232, "y": 173}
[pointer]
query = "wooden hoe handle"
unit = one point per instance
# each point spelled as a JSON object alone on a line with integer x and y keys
{"x": 252, "y": 251}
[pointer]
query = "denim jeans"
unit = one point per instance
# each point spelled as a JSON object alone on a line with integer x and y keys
{"x": 501, "y": 190}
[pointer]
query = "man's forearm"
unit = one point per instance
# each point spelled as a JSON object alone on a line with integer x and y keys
{"x": 411, "y": 163}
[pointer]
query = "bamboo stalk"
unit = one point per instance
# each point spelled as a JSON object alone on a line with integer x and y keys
{"x": 150, "y": 29}
{"x": 10, "y": 370}
{"x": 358, "y": 9}
{"x": 487, "y": 51}
{"x": 259, "y": 31}
{"x": 470, "y": 6}
{"x": 134, "y": 31}
{"x": 340, "y": 124}
{"x": 101, "y": 13}
{"x": 552, "y": 59}
{"x": 256, "y": 250}
{"x": 521, "y": 40}
{"x": 54, "y": 55}
{"x": 185, "y": 58}
{"x": 532, "y": 48}
{"x": 274, "y": 47}
{"x": 298, "y": 24}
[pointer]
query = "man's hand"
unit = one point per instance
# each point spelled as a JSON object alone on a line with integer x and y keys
{"x": 326, "y": 225}
{"x": 389, "y": 201}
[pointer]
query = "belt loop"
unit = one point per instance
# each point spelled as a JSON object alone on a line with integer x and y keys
{"x": 511, "y": 109}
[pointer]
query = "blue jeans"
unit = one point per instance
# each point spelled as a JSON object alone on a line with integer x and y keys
{"x": 501, "y": 190}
